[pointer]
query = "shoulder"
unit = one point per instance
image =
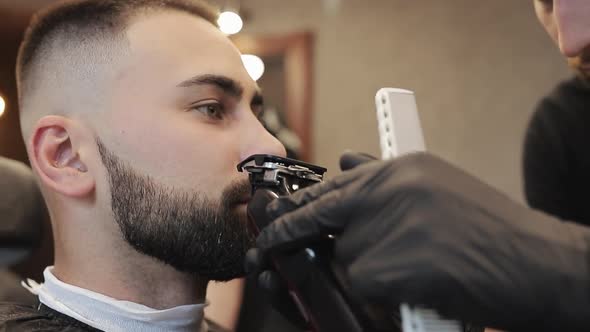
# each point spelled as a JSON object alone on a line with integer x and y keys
{"x": 23, "y": 318}
{"x": 562, "y": 111}
{"x": 567, "y": 100}
{"x": 13, "y": 311}
{"x": 573, "y": 87}
{"x": 17, "y": 317}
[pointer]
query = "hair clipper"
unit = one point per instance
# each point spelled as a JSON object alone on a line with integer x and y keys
{"x": 314, "y": 282}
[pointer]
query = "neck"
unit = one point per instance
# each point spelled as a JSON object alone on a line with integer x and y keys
{"x": 118, "y": 271}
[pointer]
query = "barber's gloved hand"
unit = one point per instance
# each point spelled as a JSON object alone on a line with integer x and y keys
{"x": 273, "y": 288}
{"x": 421, "y": 231}
{"x": 257, "y": 262}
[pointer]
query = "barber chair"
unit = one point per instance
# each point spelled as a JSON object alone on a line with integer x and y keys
{"x": 21, "y": 214}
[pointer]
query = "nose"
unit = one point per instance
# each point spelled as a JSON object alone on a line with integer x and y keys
{"x": 255, "y": 139}
{"x": 573, "y": 25}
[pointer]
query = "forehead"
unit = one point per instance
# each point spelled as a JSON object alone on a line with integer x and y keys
{"x": 176, "y": 45}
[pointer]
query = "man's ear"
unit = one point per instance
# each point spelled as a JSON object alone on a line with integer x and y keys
{"x": 55, "y": 157}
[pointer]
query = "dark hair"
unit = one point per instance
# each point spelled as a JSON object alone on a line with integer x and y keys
{"x": 85, "y": 19}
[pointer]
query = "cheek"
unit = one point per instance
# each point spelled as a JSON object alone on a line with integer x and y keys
{"x": 181, "y": 151}
{"x": 209, "y": 154}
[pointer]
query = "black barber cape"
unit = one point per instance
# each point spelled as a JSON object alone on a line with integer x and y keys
{"x": 556, "y": 153}
{"x": 23, "y": 318}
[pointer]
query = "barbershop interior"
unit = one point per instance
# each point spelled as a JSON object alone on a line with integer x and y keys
{"x": 122, "y": 124}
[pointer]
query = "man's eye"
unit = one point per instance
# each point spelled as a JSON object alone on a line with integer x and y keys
{"x": 214, "y": 111}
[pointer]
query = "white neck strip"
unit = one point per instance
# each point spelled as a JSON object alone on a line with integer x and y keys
{"x": 108, "y": 314}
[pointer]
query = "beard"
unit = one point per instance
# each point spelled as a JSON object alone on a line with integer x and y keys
{"x": 581, "y": 65}
{"x": 185, "y": 230}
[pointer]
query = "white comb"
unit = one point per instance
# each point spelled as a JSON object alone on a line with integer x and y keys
{"x": 398, "y": 122}
{"x": 425, "y": 320}
{"x": 400, "y": 133}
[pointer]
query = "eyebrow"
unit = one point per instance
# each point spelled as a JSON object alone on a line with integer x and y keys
{"x": 224, "y": 83}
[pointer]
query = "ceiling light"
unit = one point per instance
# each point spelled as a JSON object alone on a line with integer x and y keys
{"x": 254, "y": 65}
{"x": 230, "y": 22}
{"x": 2, "y": 105}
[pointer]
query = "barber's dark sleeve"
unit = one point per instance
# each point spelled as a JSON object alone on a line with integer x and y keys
{"x": 545, "y": 162}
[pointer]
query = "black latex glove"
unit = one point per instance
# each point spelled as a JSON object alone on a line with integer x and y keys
{"x": 270, "y": 283}
{"x": 421, "y": 231}
{"x": 273, "y": 289}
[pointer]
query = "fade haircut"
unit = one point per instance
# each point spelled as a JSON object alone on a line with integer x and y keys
{"x": 67, "y": 45}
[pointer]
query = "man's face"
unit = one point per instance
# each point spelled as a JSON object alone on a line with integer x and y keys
{"x": 183, "y": 114}
{"x": 568, "y": 24}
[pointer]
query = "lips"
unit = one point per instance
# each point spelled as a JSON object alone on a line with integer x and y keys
{"x": 236, "y": 194}
{"x": 244, "y": 200}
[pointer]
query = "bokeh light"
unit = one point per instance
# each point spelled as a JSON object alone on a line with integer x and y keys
{"x": 230, "y": 23}
{"x": 2, "y": 106}
{"x": 254, "y": 65}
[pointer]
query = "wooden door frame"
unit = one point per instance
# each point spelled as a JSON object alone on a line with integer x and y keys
{"x": 297, "y": 51}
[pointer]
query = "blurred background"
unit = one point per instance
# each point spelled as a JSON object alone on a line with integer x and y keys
{"x": 477, "y": 69}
